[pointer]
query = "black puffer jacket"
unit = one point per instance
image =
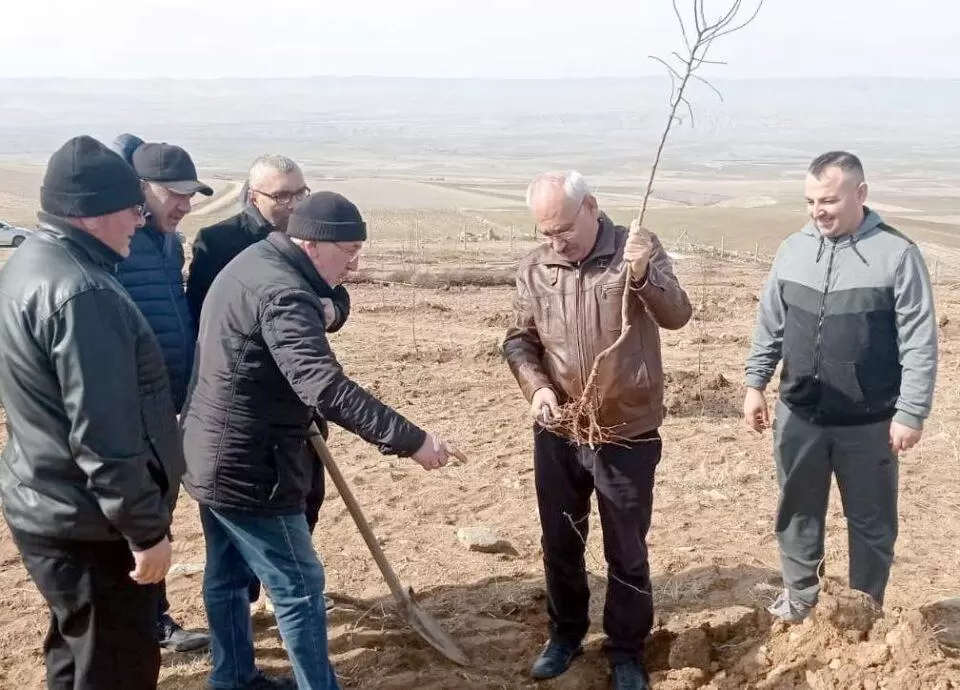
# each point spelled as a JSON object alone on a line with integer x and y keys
{"x": 264, "y": 369}
{"x": 93, "y": 452}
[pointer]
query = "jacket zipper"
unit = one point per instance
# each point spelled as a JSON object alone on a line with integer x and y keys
{"x": 583, "y": 380}
{"x": 184, "y": 331}
{"x": 823, "y": 305}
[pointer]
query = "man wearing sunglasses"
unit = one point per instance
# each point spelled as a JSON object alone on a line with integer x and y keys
{"x": 153, "y": 275}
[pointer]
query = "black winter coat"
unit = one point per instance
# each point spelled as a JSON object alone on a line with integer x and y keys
{"x": 264, "y": 371}
{"x": 93, "y": 451}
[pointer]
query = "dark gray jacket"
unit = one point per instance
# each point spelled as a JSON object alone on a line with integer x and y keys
{"x": 853, "y": 321}
{"x": 264, "y": 370}
{"x": 93, "y": 452}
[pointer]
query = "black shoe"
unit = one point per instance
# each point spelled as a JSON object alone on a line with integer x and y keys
{"x": 264, "y": 682}
{"x": 176, "y": 639}
{"x": 629, "y": 675}
{"x": 555, "y": 659}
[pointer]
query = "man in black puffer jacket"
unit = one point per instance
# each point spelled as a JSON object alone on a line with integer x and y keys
{"x": 92, "y": 467}
{"x": 264, "y": 371}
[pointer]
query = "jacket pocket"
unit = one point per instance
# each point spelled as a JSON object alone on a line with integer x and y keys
{"x": 609, "y": 303}
{"x": 156, "y": 470}
{"x": 840, "y": 385}
{"x": 289, "y": 460}
{"x": 549, "y": 316}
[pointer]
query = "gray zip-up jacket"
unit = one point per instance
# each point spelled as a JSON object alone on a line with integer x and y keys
{"x": 853, "y": 320}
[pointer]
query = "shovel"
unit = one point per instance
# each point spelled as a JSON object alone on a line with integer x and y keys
{"x": 422, "y": 622}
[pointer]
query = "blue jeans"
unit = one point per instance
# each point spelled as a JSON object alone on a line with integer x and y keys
{"x": 278, "y": 552}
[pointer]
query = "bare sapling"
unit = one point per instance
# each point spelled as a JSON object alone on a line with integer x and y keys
{"x": 579, "y": 419}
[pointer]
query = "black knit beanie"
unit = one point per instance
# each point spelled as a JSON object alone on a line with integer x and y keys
{"x": 326, "y": 217}
{"x": 85, "y": 179}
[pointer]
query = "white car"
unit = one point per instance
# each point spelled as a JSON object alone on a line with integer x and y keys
{"x": 12, "y": 236}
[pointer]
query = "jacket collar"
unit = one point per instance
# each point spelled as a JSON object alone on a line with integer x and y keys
{"x": 95, "y": 250}
{"x": 300, "y": 261}
{"x": 254, "y": 222}
{"x": 604, "y": 246}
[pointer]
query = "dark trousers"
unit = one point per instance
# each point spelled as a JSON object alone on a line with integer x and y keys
{"x": 622, "y": 477}
{"x": 312, "y": 512}
{"x": 102, "y": 633}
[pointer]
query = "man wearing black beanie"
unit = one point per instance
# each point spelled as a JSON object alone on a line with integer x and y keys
{"x": 265, "y": 370}
{"x": 90, "y": 474}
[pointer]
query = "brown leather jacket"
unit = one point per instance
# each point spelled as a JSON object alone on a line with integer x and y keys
{"x": 565, "y": 315}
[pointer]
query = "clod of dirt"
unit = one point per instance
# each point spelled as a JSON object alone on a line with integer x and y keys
{"x": 872, "y": 654}
{"x": 683, "y": 679}
{"x": 691, "y": 649}
{"x": 848, "y": 610}
{"x": 484, "y": 540}
{"x": 944, "y": 617}
{"x": 912, "y": 640}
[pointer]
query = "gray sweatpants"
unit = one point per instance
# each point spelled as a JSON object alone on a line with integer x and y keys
{"x": 866, "y": 469}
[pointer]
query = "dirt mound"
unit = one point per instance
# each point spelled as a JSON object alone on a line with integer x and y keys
{"x": 845, "y": 644}
{"x": 721, "y": 306}
{"x": 691, "y": 394}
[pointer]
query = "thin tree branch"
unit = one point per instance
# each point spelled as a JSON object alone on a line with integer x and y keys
{"x": 578, "y": 419}
{"x": 700, "y": 16}
{"x": 683, "y": 28}
{"x": 715, "y": 89}
{"x": 673, "y": 72}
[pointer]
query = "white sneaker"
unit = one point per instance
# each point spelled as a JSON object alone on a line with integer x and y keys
{"x": 787, "y": 610}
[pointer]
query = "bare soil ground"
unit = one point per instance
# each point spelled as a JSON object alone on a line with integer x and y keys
{"x": 432, "y": 352}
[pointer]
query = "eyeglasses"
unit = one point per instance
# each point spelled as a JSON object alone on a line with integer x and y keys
{"x": 285, "y": 198}
{"x": 353, "y": 252}
{"x": 564, "y": 232}
{"x": 139, "y": 209}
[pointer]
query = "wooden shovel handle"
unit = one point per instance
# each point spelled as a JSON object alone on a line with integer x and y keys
{"x": 357, "y": 514}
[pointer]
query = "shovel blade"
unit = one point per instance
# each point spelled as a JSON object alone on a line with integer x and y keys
{"x": 429, "y": 629}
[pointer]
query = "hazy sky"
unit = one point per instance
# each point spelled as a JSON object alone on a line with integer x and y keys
{"x": 459, "y": 38}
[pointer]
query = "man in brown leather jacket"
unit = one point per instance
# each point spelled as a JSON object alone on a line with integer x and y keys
{"x": 567, "y": 310}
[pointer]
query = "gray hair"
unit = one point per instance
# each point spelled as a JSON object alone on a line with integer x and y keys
{"x": 575, "y": 187}
{"x": 846, "y": 161}
{"x": 272, "y": 161}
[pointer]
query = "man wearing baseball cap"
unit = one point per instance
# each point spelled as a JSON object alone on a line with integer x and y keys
{"x": 90, "y": 474}
{"x": 153, "y": 275}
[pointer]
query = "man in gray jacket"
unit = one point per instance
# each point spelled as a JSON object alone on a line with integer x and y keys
{"x": 849, "y": 309}
{"x": 90, "y": 473}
